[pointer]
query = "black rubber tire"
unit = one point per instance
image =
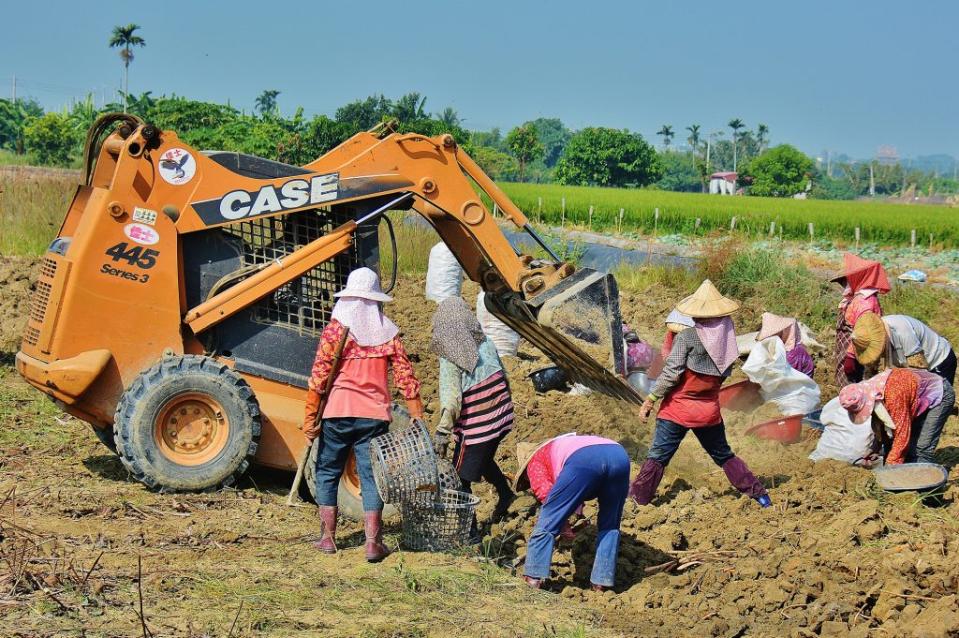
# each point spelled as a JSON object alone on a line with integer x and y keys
{"x": 105, "y": 436}
{"x": 349, "y": 502}
{"x": 141, "y": 404}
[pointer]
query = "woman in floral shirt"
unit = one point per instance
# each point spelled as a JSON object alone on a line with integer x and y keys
{"x": 358, "y": 408}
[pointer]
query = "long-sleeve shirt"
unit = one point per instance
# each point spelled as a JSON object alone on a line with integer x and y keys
{"x": 689, "y": 383}
{"x": 909, "y": 337}
{"x": 361, "y": 387}
{"x": 547, "y": 462}
{"x": 907, "y": 394}
{"x": 477, "y": 402}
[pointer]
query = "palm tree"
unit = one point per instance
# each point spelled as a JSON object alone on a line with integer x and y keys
{"x": 667, "y": 133}
{"x": 265, "y": 103}
{"x": 762, "y": 136}
{"x": 693, "y": 139}
{"x": 449, "y": 117}
{"x": 735, "y": 124}
{"x": 125, "y": 38}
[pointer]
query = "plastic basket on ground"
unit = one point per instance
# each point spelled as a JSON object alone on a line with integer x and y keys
{"x": 405, "y": 467}
{"x": 438, "y": 525}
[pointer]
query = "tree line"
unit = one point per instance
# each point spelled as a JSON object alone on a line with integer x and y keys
{"x": 540, "y": 150}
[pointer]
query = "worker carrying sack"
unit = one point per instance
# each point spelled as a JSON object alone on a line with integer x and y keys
{"x": 792, "y": 391}
{"x": 444, "y": 275}
{"x": 503, "y": 337}
{"x": 842, "y": 439}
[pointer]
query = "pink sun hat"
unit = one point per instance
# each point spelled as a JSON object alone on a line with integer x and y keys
{"x": 858, "y": 400}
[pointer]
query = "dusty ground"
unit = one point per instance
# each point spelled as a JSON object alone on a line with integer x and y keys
{"x": 835, "y": 556}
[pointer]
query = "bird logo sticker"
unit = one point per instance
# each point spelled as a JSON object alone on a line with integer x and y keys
{"x": 177, "y": 166}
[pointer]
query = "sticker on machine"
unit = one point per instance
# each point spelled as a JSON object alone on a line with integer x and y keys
{"x": 141, "y": 234}
{"x": 144, "y": 215}
{"x": 177, "y": 166}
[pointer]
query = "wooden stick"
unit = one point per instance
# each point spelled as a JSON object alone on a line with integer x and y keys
{"x": 334, "y": 370}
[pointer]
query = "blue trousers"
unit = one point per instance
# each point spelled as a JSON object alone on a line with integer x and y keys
{"x": 335, "y": 440}
{"x": 669, "y": 435}
{"x": 597, "y": 471}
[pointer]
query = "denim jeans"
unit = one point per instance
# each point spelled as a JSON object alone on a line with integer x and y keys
{"x": 927, "y": 428}
{"x": 600, "y": 472}
{"x": 335, "y": 440}
{"x": 669, "y": 435}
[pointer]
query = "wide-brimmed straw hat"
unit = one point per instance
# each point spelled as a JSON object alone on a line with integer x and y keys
{"x": 364, "y": 284}
{"x": 869, "y": 338}
{"x": 707, "y": 303}
{"x": 525, "y": 452}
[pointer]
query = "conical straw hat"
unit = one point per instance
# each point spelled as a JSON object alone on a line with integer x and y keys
{"x": 525, "y": 452}
{"x": 707, "y": 303}
{"x": 869, "y": 338}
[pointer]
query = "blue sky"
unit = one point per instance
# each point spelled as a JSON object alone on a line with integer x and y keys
{"x": 839, "y": 75}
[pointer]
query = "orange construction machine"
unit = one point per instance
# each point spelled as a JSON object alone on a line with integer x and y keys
{"x": 179, "y": 307}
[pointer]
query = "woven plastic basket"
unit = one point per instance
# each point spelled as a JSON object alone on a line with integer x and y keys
{"x": 439, "y": 525}
{"x": 405, "y": 467}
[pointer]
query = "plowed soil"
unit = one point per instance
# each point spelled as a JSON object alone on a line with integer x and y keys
{"x": 834, "y": 556}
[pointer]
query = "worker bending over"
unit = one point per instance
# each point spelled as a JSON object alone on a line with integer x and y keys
{"x": 787, "y": 330}
{"x": 563, "y": 473}
{"x": 475, "y": 401}
{"x": 894, "y": 338}
{"x": 908, "y": 409}
{"x": 359, "y": 406}
{"x": 700, "y": 359}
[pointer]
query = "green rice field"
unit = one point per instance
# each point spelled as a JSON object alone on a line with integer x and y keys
{"x": 879, "y": 222}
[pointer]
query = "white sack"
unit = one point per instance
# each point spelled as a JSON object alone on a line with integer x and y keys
{"x": 842, "y": 439}
{"x": 503, "y": 337}
{"x": 779, "y": 383}
{"x": 745, "y": 342}
{"x": 444, "y": 275}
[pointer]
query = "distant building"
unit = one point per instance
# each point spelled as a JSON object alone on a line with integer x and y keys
{"x": 723, "y": 183}
{"x": 887, "y": 155}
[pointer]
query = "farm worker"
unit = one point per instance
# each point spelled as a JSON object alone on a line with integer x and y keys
{"x": 912, "y": 405}
{"x": 787, "y": 330}
{"x": 359, "y": 407}
{"x": 862, "y": 281}
{"x": 894, "y": 338}
{"x": 476, "y": 407}
{"x": 701, "y": 358}
{"x": 563, "y": 473}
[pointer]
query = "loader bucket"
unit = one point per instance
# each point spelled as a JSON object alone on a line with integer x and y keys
{"x": 577, "y": 323}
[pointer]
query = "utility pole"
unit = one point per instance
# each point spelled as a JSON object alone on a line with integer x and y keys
{"x": 14, "y": 89}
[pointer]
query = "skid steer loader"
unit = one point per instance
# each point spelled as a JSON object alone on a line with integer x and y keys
{"x": 179, "y": 307}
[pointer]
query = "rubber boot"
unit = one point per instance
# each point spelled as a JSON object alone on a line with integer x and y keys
{"x": 742, "y": 479}
{"x": 327, "y": 542}
{"x": 504, "y": 500}
{"x": 375, "y": 549}
{"x": 643, "y": 489}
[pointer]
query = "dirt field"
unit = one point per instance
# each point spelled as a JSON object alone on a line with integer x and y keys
{"x": 834, "y": 556}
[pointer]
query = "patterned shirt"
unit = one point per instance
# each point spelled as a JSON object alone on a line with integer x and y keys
{"x": 360, "y": 389}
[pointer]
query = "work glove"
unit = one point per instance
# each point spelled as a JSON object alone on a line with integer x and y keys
{"x": 441, "y": 438}
{"x": 415, "y": 407}
{"x": 441, "y": 443}
{"x": 311, "y": 420}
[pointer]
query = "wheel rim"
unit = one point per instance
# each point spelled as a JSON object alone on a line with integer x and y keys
{"x": 351, "y": 477}
{"x": 192, "y": 429}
